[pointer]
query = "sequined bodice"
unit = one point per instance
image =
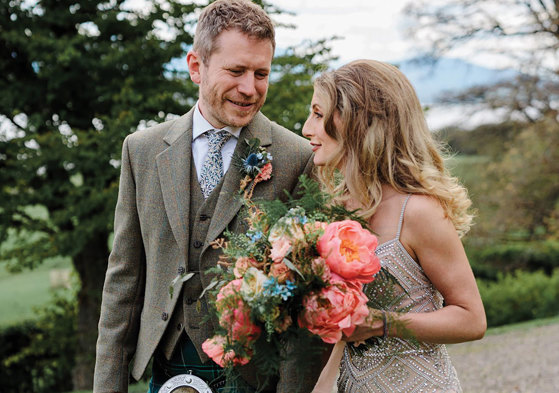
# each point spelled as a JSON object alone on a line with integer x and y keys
{"x": 394, "y": 364}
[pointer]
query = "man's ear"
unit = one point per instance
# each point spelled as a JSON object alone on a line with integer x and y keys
{"x": 194, "y": 63}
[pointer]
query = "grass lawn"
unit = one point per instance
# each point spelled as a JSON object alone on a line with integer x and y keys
{"x": 21, "y": 292}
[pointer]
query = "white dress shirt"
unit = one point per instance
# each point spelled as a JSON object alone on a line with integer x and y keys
{"x": 200, "y": 142}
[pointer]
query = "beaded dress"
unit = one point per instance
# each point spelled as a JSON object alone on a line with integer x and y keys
{"x": 394, "y": 364}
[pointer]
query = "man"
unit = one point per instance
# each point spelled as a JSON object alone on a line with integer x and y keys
{"x": 172, "y": 204}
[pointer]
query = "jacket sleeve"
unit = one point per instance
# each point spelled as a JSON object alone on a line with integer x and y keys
{"x": 123, "y": 290}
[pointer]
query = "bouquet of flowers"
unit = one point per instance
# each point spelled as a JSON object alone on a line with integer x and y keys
{"x": 301, "y": 264}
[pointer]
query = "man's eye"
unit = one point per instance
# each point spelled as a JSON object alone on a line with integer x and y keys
{"x": 261, "y": 75}
{"x": 236, "y": 72}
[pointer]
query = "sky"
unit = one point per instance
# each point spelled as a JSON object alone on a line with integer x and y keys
{"x": 368, "y": 28}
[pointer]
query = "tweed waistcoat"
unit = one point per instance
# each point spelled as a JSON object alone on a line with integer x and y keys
{"x": 190, "y": 313}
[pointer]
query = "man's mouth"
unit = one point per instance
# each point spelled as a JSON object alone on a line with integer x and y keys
{"x": 243, "y": 104}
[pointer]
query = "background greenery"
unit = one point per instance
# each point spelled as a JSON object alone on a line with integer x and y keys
{"x": 78, "y": 76}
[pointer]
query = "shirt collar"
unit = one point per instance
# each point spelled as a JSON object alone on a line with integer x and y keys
{"x": 200, "y": 125}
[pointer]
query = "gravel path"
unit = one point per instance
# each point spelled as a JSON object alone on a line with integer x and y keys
{"x": 518, "y": 361}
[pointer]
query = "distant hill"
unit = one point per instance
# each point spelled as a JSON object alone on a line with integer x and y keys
{"x": 448, "y": 74}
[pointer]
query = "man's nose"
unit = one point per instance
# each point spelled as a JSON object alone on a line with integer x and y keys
{"x": 247, "y": 84}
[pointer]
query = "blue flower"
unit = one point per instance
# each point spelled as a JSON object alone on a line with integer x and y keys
{"x": 273, "y": 288}
{"x": 251, "y": 161}
{"x": 255, "y": 236}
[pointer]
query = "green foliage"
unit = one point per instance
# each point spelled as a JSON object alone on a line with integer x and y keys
{"x": 39, "y": 356}
{"x": 485, "y": 140}
{"x": 520, "y": 296}
{"x": 488, "y": 261}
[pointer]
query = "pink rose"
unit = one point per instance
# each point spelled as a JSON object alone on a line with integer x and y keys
{"x": 280, "y": 248}
{"x": 336, "y": 309}
{"x": 215, "y": 348}
{"x": 241, "y": 266}
{"x": 265, "y": 173}
{"x": 349, "y": 251}
{"x": 234, "y": 313}
{"x": 281, "y": 272}
{"x": 314, "y": 227}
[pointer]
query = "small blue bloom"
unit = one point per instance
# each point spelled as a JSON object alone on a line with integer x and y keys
{"x": 255, "y": 236}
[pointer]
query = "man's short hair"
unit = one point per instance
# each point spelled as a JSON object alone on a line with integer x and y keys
{"x": 241, "y": 15}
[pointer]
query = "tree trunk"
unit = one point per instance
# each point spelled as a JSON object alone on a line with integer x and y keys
{"x": 91, "y": 265}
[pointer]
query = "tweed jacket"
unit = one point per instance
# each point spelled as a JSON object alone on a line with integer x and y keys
{"x": 151, "y": 237}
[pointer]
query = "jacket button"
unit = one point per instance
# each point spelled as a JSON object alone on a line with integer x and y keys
{"x": 204, "y": 217}
{"x": 198, "y": 244}
{"x": 182, "y": 270}
{"x": 189, "y": 301}
{"x": 179, "y": 327}
{"x": 164, "y": 316}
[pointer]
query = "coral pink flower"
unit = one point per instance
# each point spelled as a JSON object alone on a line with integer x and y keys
{"x": 265, "y": 173}
{"x": 281, "y": 272}
{"x": 215, "y": 348}
{"x": 349, "y": 251}
{"x": 334, "y": 310}
{"x": 280, "y": 248}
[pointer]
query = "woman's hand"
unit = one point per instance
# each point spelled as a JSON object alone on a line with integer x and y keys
{"x": 371, "y": 327}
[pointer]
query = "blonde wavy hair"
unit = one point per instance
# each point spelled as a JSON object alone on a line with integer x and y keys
{"x": 373, "y": 112}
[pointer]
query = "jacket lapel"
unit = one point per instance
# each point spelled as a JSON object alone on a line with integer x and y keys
{"x": 173, "y": 165}
{"x": 229, "y": 202}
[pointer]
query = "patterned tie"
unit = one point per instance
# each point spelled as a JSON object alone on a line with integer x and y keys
{"x": 212, "y": 170}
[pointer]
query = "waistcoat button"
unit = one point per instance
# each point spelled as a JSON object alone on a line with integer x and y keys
{"x": 198, "y": 244}
{"x": 189, "y": 301}
{"x": 182, "y": 270}
{"x": 204, "y": 217}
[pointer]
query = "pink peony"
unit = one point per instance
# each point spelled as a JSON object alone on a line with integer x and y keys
{"x": 215, "y": 348}
{"x": 349, "y": 251}
{"x": 334, "y": 310}
{"x": 280, "y": 248}
{"x": 281, "y": 272}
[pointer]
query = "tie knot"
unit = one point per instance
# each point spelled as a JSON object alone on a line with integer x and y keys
{"x": 217, "y": 138}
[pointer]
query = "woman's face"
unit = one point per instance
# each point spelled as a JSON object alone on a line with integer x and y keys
{"x": 323, "y": 145}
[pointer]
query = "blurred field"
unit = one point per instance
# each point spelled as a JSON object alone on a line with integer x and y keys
{"x": 21, "y": 292}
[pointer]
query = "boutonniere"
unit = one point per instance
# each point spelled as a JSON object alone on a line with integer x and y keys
{"x": 255, "y": 164}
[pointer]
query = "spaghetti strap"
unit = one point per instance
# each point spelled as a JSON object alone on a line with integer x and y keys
{"x": 402, "y": 217}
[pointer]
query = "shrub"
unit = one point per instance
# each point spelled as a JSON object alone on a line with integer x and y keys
{"x": 520, "y": 296}
{"x": 39, "y": 356}
{"x": 506, "y": 258}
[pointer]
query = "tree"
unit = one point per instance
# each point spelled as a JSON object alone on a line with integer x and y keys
{"x": 523, "y": 34}
{"x": 76, "y": 78}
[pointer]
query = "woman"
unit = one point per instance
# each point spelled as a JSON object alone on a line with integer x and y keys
{"x": 367, "y": 124}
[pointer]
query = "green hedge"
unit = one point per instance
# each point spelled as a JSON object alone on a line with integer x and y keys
{"x": 520, "y": 296}
{"x": 488, "y": 262}
{"x": 39, "y": 356}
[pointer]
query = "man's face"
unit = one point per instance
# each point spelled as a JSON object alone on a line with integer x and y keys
{"x": 234, "y": 82}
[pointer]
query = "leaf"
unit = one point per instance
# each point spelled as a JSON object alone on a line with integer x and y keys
{"x": 290, "y": 265}
{"x": 182, "y": 277}
{"x": 210, "y": 286}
